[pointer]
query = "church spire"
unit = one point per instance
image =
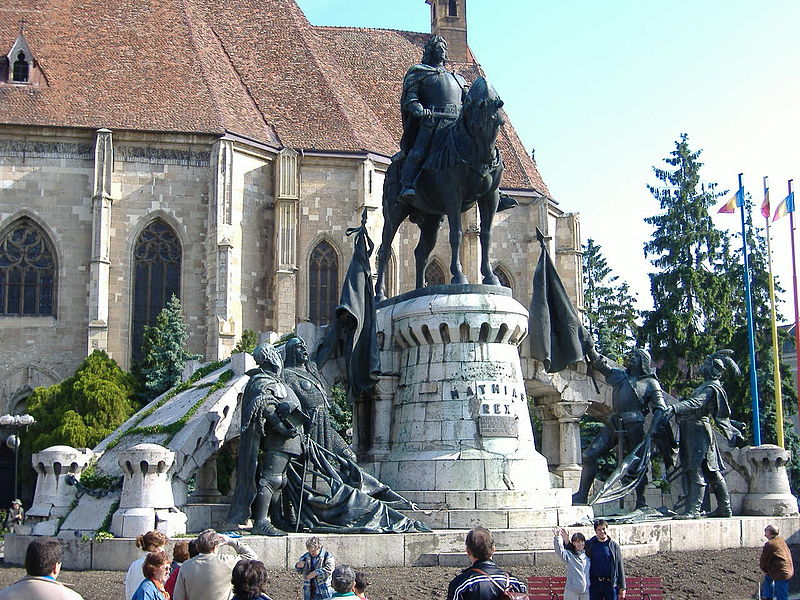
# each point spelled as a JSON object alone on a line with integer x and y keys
{"x": 449, "y": 20}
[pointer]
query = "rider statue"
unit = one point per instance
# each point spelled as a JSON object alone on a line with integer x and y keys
{"x": 636, "y": 391}
{"x": 302, "y": 376}
{"x": 432, "y": 96}
{"x": 272, "y": 421}
{"x": 699, "y": 455}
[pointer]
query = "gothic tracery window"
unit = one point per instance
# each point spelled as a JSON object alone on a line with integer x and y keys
{"x": 501, "y": 274}
{"x": 434, "y": 275}
{"x": 27, "y": 272}
{"x": 323, "y": 271}
{"x": 157, "y": 259}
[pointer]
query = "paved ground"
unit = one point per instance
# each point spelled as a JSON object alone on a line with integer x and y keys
{"x": 729, "y": 574}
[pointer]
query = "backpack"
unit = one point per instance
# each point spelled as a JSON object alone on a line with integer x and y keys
{"x": 507, "y": 593}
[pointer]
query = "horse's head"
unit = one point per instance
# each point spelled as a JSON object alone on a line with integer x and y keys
{"x": 481, "y": 111}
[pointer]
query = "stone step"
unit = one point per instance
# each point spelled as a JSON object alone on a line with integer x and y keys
{"x": 518, "y": 518}
{"x": 483, "y": 499}
{"x": 509, "y": 558}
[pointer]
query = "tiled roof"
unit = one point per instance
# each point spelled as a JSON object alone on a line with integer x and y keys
{"x": 256, "y": 68}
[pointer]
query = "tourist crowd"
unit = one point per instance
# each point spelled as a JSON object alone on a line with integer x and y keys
{"x": 198, "y": 571}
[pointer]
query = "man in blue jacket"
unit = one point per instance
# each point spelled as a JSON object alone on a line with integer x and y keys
{"x": 606, "y": 573}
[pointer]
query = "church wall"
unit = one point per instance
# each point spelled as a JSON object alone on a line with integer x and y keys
{"x": 47, "y": 175}
{"x": 254, "y": 187}
{"x": 329, "y": 204}
{"x": 156, "y": 176}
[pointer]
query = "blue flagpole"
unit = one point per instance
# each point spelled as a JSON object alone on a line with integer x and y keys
{"x": 750, "y": 330}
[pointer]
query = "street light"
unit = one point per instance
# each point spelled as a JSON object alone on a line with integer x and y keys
{"x": 13, "y": 441}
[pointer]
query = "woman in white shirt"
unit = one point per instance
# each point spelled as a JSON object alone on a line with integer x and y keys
{"x": 152, "y": 541}
{"x": 573, "y": 554}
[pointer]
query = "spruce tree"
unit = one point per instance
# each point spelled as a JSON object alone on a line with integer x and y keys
{"x": 692, "y": 297}
{"x": 164, "y": 349}
{"x": 609, "y": 304}
{"x": 247, "y": 343}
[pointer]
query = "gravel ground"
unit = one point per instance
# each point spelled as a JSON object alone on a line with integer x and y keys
{"x": 730, "y": 574}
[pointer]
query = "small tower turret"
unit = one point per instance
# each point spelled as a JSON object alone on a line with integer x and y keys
{"x": 449, "y": 20}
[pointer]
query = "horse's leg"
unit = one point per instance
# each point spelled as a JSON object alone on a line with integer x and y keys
{"x": 428, "y": 232}
{"x": 487, "y": 206}
{"x": 391, "y": 223}
{"x": 454, "y": 220}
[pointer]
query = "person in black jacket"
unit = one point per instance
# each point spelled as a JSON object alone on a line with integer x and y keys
{"x": 484, "y": 580}
{"x": 607, "y": 572}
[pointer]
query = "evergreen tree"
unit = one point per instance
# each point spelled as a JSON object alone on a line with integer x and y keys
{"x": 692, "y": 297}
{"x": 247, "y": 343}
{"x": 83, "y": 409}
{"x": 609, "y": 304}
{"x": 164, "y": 349}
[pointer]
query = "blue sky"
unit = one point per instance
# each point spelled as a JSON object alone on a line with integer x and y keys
{"x": 602, "y": 90}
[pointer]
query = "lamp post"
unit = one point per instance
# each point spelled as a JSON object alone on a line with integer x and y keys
{"x": 13, "y": 441}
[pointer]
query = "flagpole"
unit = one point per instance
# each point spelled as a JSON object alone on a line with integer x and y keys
{"x": 776, "y": 362}
{"x": 750, "y": 334}
{"x": 794, "y": 288}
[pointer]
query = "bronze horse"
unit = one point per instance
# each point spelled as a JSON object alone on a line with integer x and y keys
{"x": 462, "y": 168}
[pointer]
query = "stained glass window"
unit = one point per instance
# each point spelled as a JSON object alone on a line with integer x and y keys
{"x": 157, "y": 275}
{"x": 323, "y": 281}
{"x": 27, "y": 272}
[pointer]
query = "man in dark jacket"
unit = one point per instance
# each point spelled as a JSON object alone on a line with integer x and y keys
{"x": 484, "y": 580}
{"x": 607, "y": 572}
{"x": 776, "y": 563}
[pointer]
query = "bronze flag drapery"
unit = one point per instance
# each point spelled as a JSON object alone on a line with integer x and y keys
{"x": 353, "y": 334}
{"x": 557, "y": 336}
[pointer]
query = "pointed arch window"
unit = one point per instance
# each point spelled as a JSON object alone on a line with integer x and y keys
{"x": 21, "y": 69}
{"x": 157, "y": 257}
{"x": 323, "y": 271}
{"x": 452, "y": 8}
{"x": 504, "y": 278}
{"x": 434, "y": 275}
{"x": 27, "y": 271}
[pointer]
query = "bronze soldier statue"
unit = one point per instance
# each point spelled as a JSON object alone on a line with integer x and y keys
{"x": 699, "y": 455}
{"x": 636, "y": 391}
{"x": 432, "y": 96}
{"x": 302, "y": 376}
{"x": 272, "y": 421}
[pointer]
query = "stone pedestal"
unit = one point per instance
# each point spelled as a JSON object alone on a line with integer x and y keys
{"x": 147, "y": 502}
{"x": 53, "y": 496}
{"x": 569, "y": 441}
{"x": 206, "y": 487}
{"x": 768, "y": 492}
{"x": 459, "y": 415}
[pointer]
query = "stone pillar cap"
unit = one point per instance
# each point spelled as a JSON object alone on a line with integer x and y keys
{"x": 60, "y": 452}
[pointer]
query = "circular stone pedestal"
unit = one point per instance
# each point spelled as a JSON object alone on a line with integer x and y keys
{"x": 460, "y": 414}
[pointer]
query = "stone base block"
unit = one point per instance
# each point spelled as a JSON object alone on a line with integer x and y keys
{"x": 455, "y": 472}
{"x": 49, "y": 527}
{"x": 521, "y": 518}
{"x": 769, "y": 505}
{"x": 489, "y": 499}
{"x": 131, "y": 522}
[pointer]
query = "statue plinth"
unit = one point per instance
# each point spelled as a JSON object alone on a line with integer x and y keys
{"x": 459, "y": 416}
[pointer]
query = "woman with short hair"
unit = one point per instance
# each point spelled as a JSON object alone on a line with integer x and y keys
{"x": 156, "y": 571}
{"x": 249, "y": 579}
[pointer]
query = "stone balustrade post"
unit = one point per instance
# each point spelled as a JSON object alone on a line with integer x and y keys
{"x": 53, "y": 496}
{"x": 569, "y": 441}
{"x": 147, "y": 502}
{"x": 768, "y": 493}
{"x": 550, "y": 433}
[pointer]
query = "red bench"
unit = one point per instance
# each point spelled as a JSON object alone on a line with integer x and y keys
{"x": 638, "y": 588}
